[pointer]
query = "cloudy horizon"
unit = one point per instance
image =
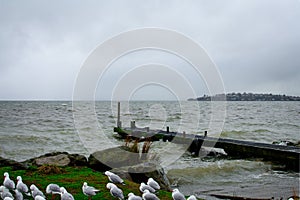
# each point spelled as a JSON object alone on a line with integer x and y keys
{"x": 254, "y": 44}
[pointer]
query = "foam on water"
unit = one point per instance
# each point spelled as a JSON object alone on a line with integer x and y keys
{"x": 29, "y": 129}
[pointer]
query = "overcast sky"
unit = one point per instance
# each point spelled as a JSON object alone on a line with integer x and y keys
{"x": 255, "y": 44}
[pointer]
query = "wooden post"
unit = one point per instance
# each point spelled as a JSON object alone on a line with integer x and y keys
{"x": 119, "y": 124}
{"x": 168, "y": 129}
{"x": 132, "y": 125}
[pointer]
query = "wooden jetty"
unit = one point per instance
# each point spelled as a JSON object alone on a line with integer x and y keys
{"x": 288, "y": 156}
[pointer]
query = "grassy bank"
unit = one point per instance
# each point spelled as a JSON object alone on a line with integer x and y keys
{"x": 72, "y": 179}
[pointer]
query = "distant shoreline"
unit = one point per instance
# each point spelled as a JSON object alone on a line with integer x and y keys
{"x": 246, "y": 97}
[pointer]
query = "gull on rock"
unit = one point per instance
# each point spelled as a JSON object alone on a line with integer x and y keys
{"x": 151, "y": 182}
{"x": 65, "y": 195}
{"x": 114, "y": 177}
{"x": 147, "y": 195}
{"x": 132, "y": 196}
{"x": 144, "y": 187}
{"x": 115, "y": 191}
{"x": 89, "y": 190}
{"x": 35, "y": 191}
{"x": 176, "y": 195}
{"x": 9, "y": 184}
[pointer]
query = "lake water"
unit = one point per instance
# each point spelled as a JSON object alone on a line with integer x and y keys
{"x": 32, "y": 128}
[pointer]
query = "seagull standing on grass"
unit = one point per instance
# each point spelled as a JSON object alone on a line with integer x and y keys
{"x": 115, "y": 191}
{"x": 9, "y": 184}
{"x": 65, "y": 195}
{"x": 176, "y": 195}
{"x": 38, "y": 197}
{"x": 132, "y": 196}
{"x": 22, "y": 187}
{"x": 18, "y": 195}
{"x": 89, "y": 190}
{"x": 149, "y": 196}
{"x": 4, "y": 192}
{"x": 52, "y": 189}
{"x": 114, "y": 177}
{"x": 35, "y": 191}
{"x": 144, "y": 187}
{"x": 192, "y": 197}
{"x": 8, "y": 198}
{"x": 151, "y": 182}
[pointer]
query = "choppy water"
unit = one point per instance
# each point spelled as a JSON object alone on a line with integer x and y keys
{"x": 29, "y": 129}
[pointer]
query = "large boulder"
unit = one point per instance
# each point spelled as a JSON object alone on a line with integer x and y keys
{"x": 11, "y": 163}
{"x": 116, "y": 157}
{"x": 58, "y": 159}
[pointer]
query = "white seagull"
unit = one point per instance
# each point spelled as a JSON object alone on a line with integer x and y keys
{"x": 176, "y": 195}
{"x": 53, "y": 189}
{"x": 8, "y": 198}
{"x": 151, "y": 182}
{"x": 4, "y": 192}
{"x": 144, "y": 187}
{"x": 115, "y": 191}
{"x": 192, "y": 197}
{"x": 132, "y": 196}
{"x": 21, "y": 187}
{"x": 149, "y": 196}
{"x": 18, "y": 195}
{"x": 9, "y": 184}
{"x": 114, "y": 177}
{"x": 65, "y": 195}
{"x": 38, "y": 197}
{"x": 35, "y": 191}
{"x": 89, "y": 190}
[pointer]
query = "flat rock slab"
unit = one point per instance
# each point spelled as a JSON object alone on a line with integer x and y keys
{"x": 58, "y": 160}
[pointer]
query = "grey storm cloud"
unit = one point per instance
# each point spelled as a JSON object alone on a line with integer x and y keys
{"x": 43, "y": 44}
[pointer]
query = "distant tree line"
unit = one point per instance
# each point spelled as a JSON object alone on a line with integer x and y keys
{"x": 247, "y": 97}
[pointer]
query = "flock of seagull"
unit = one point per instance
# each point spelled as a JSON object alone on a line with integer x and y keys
{"x": 148, "y": 190}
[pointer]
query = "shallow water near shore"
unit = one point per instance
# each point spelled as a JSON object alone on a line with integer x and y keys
{"x": 32, "y": 128}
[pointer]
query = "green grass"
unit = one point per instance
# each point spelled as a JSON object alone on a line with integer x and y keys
{"x": 72, "y": 179}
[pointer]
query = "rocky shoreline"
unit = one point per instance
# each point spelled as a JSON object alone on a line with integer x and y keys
{"x": 99, "y": 161}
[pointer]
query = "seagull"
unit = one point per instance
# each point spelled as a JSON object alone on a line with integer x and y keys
{"x": 192, "y": 197}
{"x": 115, "y": 191}
{"x": 18, "y": 195}
{"x": 89, "y": 190}
{"x": 35, "y": 191}
{"x": 22, "y": 187}
{"x": 65, "y": 195}
{"x": 114, "y": 177}
{"x": 144, "y": 187}
{"x": 53, "y": 189}
{"x": 149, "y": 196}
{"x": 8, "y": 198}
{"x": 9, "y": 184}
{"x": 151, "y": 182}
{"x": 4, "y": 192}
{"x": 38, "y": 197}
{"x": 176, "y": 195}
{"x": 132, "y": 196}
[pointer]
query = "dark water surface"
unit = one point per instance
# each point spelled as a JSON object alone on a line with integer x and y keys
{"x": 29, "y": 129}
